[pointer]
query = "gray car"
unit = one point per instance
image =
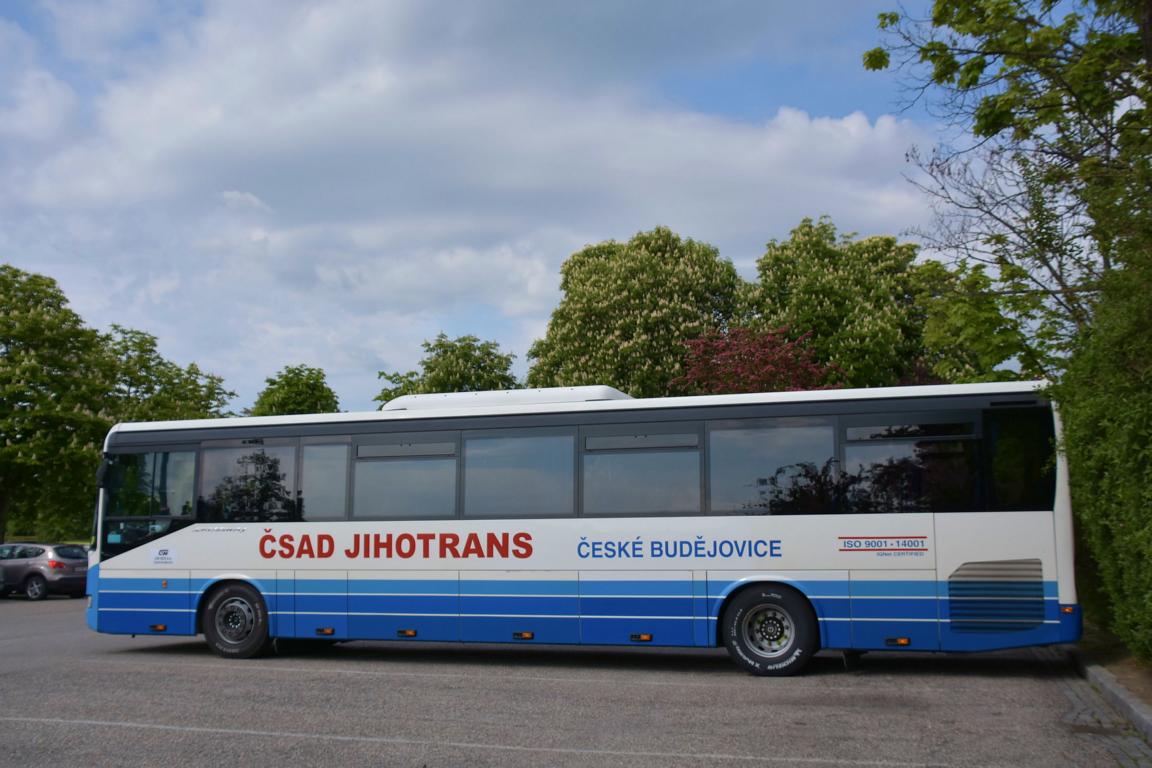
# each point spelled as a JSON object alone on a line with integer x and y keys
{"x": 38, "y": 570}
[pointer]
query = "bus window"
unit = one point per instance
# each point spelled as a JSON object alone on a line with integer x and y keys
{"x": 323, "y": 482}
{"x": 642, "y": 470}
{"x": 520, "y": 475}
{"x": 772, "y": 467}
{"x": 406, "y": 477}
{"x": 1020, "y": 446}
{"x": 895, "y": 465}
{"x": 249, "y": 484}
{"x": 150, "y": 484}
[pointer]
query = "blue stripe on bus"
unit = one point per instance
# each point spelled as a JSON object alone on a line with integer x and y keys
{"x": 485, "y": 629}
{"x": 620, "y": 631}
{"x": 547, "y": 606}
{"x": 675, "y": 588}
{"x": 146, "y": 600}
{"x": 635, "y": 606}
{"x": 404, "y": 586}
{"x": 449, "y": 606}
{"x": 115, "y": 584}
{"x": 896, "y": 608}
{"x": 519, "y": 587}
{"x": 859, "y": 614}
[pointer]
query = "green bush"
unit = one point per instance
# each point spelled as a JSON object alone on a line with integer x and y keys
{"x": 1106, "y": 399}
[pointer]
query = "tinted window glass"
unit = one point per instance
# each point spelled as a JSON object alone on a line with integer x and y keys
{"x": 122, "y": 535}
{"x": 251, "y": 484}
{"x": 772, "y": 467}
{"x": 642, "y": 483}
{"x": 150, "y": 484}
{"x": 72, "y": 553}
{"x": 1021, "y": 458}
{"x": 323, "y": 482}
{"x": 405, "y": 488}
{"x": 519, "y": 476}
{"x": 896, "y": 431}
{"x": 898, "y": 476}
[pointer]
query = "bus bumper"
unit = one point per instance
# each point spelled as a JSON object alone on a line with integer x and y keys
{"x": 93, "y": 591}
{"x": 1071, "y": 623}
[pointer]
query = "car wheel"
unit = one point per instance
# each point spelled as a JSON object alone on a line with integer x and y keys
{"x": 235, "y": 622}
{"x": 770, "y": 630}
{"x": 35, "y": 588}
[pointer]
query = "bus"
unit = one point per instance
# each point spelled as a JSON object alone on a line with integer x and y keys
{"x": 921, "y": 518}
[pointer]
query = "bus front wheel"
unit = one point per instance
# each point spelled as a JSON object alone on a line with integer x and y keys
{"x": 236, "y": 622}
{"x": 770, "y": 630}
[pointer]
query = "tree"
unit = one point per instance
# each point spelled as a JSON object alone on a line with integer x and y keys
{"x": 627, "y": 309}
{"x": 968, "y": 332}
{"x": 1050, "y": 187}
{"x": 62, "y": 386}
{"x": 147, "y": 387}
{"x": 295, "y": 389}
{"x": 464, "y": 364}
{"x": 853, "y": 296}
{"x": 748, "y": 360}
{"x": 52, "y": 387}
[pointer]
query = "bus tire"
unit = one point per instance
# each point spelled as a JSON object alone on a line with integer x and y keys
{"x": 770, "y": 630}
{"x": 236, "y": 622}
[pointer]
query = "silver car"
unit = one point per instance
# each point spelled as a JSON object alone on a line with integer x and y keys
{"x": 37, "y": 570}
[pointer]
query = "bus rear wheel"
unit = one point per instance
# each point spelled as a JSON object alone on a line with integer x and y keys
{"x": 770, "y": 630}
{"x": 235, "y": 622}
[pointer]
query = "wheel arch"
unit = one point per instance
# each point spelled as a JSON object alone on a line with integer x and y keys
{"x": 220, "y": 582}
{"x": 737, "y": 588}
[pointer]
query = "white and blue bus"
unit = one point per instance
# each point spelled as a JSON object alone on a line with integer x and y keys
{"x": 929, "y": 518}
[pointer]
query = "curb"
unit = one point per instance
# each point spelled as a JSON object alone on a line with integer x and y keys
{"x": 1133, "y": 709}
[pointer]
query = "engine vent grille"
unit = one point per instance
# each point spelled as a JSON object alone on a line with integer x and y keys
{"x": 996, "y": 596}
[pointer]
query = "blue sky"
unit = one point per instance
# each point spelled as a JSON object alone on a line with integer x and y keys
{"x": 262, "y": 183}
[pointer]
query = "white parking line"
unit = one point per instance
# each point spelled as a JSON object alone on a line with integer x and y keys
{"x": 614, "y": 753}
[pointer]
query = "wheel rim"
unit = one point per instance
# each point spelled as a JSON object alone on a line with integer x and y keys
{"x": 235, "y": 620}
{"x": 768, "y": 631}
{"x": 34, "y": 589}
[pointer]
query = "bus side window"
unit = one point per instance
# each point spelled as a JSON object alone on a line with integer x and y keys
{"x": 323, "y": 482}
{"x": 912, "y": 463}
{"x": 248, "y": 484}
{"x": 1020, "y": 449}
{"x": 783, "y": 466}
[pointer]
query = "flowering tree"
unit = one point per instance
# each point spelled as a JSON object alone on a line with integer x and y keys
{"x": 627, "y": 310}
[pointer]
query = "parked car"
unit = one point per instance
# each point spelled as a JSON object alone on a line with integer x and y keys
{"x": 38, "y": 570}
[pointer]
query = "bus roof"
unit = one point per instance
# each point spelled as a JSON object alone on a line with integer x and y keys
{"x": 453, "y": 408}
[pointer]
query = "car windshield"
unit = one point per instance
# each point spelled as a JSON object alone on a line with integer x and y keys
{"x": 71, "y": 553}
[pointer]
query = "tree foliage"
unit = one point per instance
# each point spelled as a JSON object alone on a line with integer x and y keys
{"x": 749, "y": 360}
{"x": 1106, "y": 399}
{"x": 52, "y": 393}
{"x": 62, "y": 386}
{"x": 147, "y": 387}
{"x": 627, "y": 309}
{"x": 295, "y": 389}
{"x": 1050, "y": 188}
{"x": 464, "y": 364}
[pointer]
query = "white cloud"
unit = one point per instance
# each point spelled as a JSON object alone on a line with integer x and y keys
{"x": 269, "y": 184}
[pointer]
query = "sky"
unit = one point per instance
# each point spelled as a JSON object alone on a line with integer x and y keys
{"x": 262, "y": 183}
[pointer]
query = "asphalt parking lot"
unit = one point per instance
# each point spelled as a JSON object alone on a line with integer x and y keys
{"x": 71, "y": 697}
